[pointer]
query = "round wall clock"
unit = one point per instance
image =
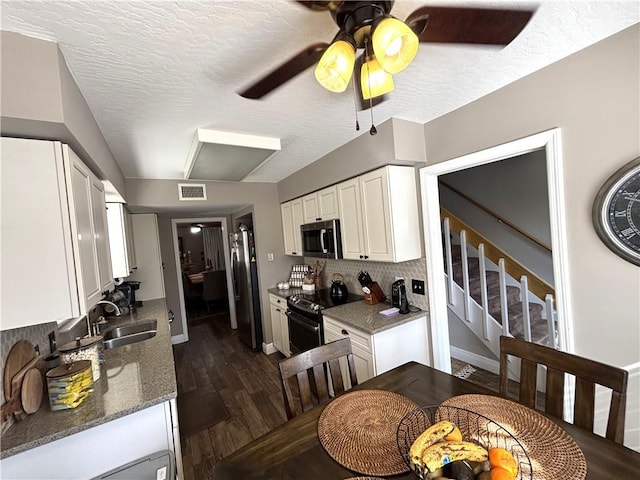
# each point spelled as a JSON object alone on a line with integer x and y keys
{"x": 616, "y": 212}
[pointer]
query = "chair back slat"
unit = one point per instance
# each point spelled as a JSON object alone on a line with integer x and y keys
{"x": 305, "y": 390}
{"x": 588, "y": 373}
{"x": 322, "y": 364}
{"x": 554, "y": 396}
{"x": 320, "y": 382}
{"x": 584, "y": 406}
{"x": 337, "y": 381}
{"x": 528, "y": 377}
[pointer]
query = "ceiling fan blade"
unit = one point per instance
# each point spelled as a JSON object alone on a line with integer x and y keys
{"x": 285, "y": 72}
{"x": 320, "y": 5}
{"x": 468, "y": 25}
{"x": 357, "y": 75}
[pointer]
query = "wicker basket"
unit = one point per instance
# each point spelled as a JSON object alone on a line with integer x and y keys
{"x": 475, "y": 428}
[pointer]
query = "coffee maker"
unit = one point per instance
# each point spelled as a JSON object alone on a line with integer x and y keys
{"x": 399, "y": 296}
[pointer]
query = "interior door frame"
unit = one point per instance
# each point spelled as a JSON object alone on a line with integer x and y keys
{"x": 550, "y": 141}
{"x": 227, "y": 263}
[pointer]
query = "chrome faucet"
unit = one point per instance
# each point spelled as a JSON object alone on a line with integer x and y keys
{"x": 93, "y": 329}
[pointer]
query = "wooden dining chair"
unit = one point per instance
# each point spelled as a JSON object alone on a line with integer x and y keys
{"x": 588, "y": 373}
{"x": 313, "y": 370}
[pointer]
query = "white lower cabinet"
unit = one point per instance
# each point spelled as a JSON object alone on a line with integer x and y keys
{"x": 54, "y": 207}
{"x": 380, "y": 352}
{"x": 279, "y": 324}
{"x": 93, "y": 452}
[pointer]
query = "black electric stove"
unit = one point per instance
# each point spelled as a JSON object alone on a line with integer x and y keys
{"x": 304, "y": 312}
{"x": 313, "y": 302}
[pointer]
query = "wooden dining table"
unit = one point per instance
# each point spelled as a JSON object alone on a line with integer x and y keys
{"x": 293, "y": 450}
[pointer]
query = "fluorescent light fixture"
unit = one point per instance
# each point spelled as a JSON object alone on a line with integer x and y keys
{"x": 227, "y": 156}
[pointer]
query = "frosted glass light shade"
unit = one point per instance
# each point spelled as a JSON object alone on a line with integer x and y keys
{"x": 335, "y": 68}
{"x": 374, "y": 81}
{"x": 394, "y": 44}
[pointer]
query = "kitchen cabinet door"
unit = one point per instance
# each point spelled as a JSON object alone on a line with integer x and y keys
{"x": 101, "y": 234}
{"x": 120, "y": 240}
{"x": 79, "y": 178}
{"x": 348, "y": 194}
{"x": 37, "y": 250}
{"x": 276, "y": 326}
{"x": 279, "y": 324}
{"x": 376, "y": 217}
{"x": 292, "y": 218}
{"x": 362, "y": 356}
{"x": 320, "y": 206}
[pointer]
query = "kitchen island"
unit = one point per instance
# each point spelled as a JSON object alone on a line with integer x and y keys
{"x": 133, "y": 406}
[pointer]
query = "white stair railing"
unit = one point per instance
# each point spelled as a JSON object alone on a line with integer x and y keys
{"x": 470, "y": 304}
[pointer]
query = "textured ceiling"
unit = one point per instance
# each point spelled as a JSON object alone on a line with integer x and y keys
{"x": 153, "y": 72}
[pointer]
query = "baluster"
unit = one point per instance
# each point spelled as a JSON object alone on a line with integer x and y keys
{"x": 449, "y": 259}
{"x": 524, "y": 297}
{"x": 551, "y": 321}
{"x": 465, "y": 275}
{"x": 483, "y": 292}
{"x": 504, "y": 304}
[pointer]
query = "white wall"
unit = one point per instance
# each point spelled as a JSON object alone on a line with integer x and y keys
{"x": 593, "y": 96}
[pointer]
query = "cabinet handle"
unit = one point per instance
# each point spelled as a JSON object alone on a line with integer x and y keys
{"x": 294, "y": 253}
{"x": 344, "y": 332}
{"x": 278, "y": 310}
{"x": 318, "y": 219}
{"x": 366, "y": 256}
{"x": 361, "y": 256}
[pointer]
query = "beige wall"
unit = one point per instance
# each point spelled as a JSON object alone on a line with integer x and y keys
{"x": 162, "y": 195}
{"x": 40, "y": 99}
{"x": 594, "y": 97}
{"x": 398, "y": 142}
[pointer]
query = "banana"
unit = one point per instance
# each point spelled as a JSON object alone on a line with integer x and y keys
{"x": 435, "y": 432}
{"x": 439, "y": 454}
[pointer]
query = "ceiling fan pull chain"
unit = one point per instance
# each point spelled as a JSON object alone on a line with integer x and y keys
{"x": 355, "y": 103}
{"x": 373, "y": 130}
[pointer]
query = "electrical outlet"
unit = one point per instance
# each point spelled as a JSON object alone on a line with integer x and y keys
{"x": 417, "y": 286}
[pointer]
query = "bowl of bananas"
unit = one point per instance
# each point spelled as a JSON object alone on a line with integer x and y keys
{"x": 452, "y": 443}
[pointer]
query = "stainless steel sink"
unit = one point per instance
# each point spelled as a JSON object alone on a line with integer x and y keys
{"x": 128, "y": 334}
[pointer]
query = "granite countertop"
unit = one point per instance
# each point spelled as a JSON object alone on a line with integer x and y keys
{"x": 133, "y": 377}
{"x": 284, "y": 293}
{"x": 367, "y": 318}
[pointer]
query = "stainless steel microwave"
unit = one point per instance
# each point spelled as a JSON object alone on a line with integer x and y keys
{"x": 322, "y": 239}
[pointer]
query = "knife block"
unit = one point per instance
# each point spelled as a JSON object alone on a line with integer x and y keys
{"x": 376, "y": 295}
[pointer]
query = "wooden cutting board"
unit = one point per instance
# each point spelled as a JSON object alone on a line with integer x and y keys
{"x": 14, "y": 405}
{"x": 31, "y": 391}
{"x": 20, "y": 355}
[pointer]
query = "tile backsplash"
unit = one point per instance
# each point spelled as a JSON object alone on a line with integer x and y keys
{"x": 382, "y": 272}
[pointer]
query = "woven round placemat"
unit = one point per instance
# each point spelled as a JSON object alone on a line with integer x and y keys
{"x": 553, "y": 453}
{"x": 358, "y": 430}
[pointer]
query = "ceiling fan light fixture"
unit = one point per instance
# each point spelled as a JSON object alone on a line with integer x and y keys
{"x": 335, "y": 68}
{"x": 374, "y": 81}
{"x": 394, "y": 44}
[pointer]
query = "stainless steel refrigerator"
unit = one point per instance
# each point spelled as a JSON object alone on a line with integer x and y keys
{"x": 245, "y": 286}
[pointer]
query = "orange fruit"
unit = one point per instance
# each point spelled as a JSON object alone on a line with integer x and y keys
{"x": 501, "y": 458}
{"x": 454, "y": 436}
{"x": 499, "y": 473}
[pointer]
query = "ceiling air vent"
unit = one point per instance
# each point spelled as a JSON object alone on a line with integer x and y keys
{"x": 192, "y": 191}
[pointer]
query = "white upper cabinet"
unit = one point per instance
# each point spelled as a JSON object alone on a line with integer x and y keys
{"x": 291, "y": 221}
{"x": 123, "y": 258}
{"x": 379, "y": 216}
{"x": 55, "y": 256}
{"x": 321, "y": 205}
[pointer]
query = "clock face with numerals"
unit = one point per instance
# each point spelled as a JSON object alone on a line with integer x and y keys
{"x": 616, "y": 212}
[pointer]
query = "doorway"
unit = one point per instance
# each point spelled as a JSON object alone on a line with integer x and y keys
{"x": 550, "y": 141}
{"x": 195, "y": 259}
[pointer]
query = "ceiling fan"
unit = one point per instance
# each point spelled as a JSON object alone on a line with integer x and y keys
{"x": 388, "y": 44}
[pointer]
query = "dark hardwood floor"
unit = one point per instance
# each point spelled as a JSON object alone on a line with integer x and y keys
{"x": 215, "y": 362}
{"x": 215, "y": 366}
